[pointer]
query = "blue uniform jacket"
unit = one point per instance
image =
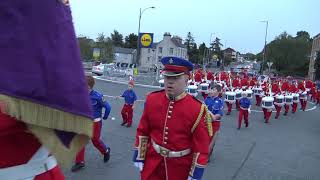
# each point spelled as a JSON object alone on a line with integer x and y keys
{"x": 98, "y": 103}
{"x": 129, "y": 96}
{"x": 245, "y": 102}
{"x": 215, "y": 105}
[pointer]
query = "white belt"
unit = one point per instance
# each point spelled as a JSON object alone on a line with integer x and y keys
{"x": 167, "y": 153}
{"x": 38, "y": 164}
{"x": 97, "y": 120}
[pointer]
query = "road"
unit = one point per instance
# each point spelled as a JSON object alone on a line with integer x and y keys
{"x": 285, "y": 149}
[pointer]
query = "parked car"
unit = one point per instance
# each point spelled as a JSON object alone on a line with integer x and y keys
{"x": 98, "y": 69}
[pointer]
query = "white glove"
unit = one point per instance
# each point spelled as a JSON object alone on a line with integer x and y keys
{"x": 139, "y": 165}
{"x": 249, "y": 111}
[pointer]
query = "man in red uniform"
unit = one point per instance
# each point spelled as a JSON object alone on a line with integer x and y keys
{"x": 294, "y": 89}
{"x": 44, "y": 100}
{"x": 173, "y": 136}
{"x": 303, "y": 99}
{"x": 276, "y": 91}
{"x": 285, "y": 87}
{"x": 236, "y": 85}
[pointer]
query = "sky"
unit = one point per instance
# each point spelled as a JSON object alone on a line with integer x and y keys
{"x": 236, "y": 22}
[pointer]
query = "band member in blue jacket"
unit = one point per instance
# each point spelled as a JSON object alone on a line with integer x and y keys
{"x": 215, "y": 106}
{"x": 127, "y": 110}
{"x": 98, "y": 104}
{"x": 245, "y": 105}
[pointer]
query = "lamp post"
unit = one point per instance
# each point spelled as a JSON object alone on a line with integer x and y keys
{"x": 265, "y": 44}
{"x": 138, "y": 47}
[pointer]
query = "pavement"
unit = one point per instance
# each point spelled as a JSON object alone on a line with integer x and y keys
{"x": 285, "y": 149}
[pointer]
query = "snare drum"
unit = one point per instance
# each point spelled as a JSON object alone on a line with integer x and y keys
{"x": 249, "y": 93}
{"x": 259, "y": 92}
{"x": 192, "y": 90}
{"x": 230, "y": 97}
{"x": 161, "y": 83}
{"x": 204, "y": 87}
{"x": 255, "y": 91}
{"x": 238, "y": 94}
{"x": 303, "y": 95}
{"x": 295, "y": 98}
{"x": 279, "y": 100}
{"x": 288, "y": 99}
{"x": 267, "y": 102}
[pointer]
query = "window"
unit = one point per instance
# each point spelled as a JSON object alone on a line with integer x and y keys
{"x": 160, "y": 49}
{"x": 171, "y": 51}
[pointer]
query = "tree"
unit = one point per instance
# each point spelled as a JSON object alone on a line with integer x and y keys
{"x": 131, "y": 41}
{"x": 117, "y": 39}
{"x": 289, "y": 54}
{"x": 304, "y": 35}
{"x": 191, "y": 48}
{"x": 216, "y": 49}
{"x": 106, "y": 48}
{"x": 317, "y": 66}
{"x": 86, "y": 47}
{"x": 203, "y": 51}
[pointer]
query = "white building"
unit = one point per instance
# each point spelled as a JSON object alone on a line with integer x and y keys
{"x": 124, "y": 55}
{"x": 169, "y": 46}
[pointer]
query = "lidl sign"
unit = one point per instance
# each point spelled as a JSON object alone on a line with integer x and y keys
{"x": 146, "y": 40}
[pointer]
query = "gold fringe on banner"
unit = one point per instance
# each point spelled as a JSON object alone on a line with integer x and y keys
{"x": 42, "y": 120}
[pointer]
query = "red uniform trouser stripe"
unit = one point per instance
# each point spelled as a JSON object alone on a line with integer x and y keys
{"x": 127, "y": 114}
{"x": 96, "y": 141}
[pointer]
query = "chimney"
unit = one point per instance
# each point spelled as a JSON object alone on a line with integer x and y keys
{"x": 167, "y": 36}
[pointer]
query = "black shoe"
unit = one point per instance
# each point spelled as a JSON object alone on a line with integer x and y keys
{"x": 228, "y": 113}
{"x": 285, "y": 114}
{"x": 106, "y": 156}
{"x": 265, "y": 121}
{"x": 122, "y": 124}
{"x": 77, "y": 167}
{"x": 128, "y": 126}
{"x": 276, "y": 117}
{"x": 238, "y": 128}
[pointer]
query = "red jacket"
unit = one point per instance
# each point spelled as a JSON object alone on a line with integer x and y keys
{"x": 309, "y": 84}
{"x": 244, "y": 82}
{"x": 235, "y": 83}
{"x": 170, "y": 125}
{"x": 198, "y": 77}
{"x": 210, "y": 75}
{"x": 293, "y": 88}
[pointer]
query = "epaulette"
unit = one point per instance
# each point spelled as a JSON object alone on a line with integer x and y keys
{"x": 157, "y": 91}
{"x": 207, "y": 118}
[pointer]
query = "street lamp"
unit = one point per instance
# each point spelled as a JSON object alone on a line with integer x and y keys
{"x": 265, "y": 44}
{"x": 138, "y": 47}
